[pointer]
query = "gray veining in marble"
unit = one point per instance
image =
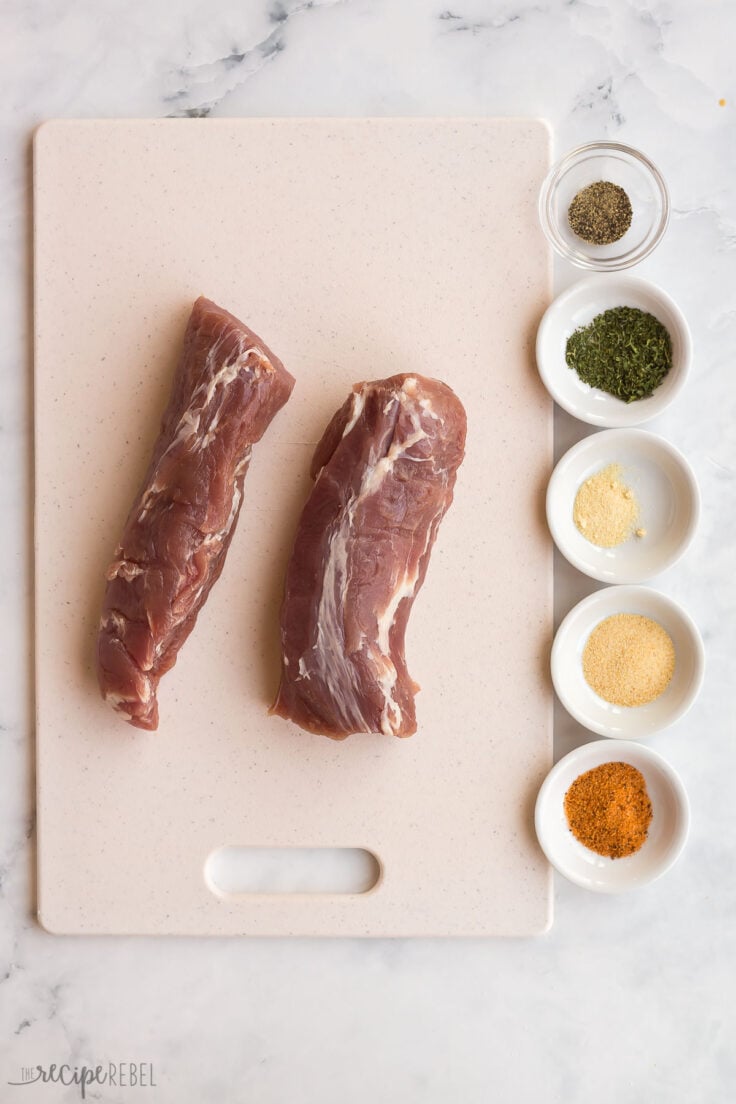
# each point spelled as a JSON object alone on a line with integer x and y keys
{"x": 627, "y": 999}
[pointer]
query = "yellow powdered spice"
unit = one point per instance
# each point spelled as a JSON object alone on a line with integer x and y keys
{"x": 605, "y": 509}
{"x": 628, "y": 659}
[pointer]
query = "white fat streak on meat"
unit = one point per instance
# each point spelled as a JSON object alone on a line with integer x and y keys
{"x": 218, "y": 537}
{"x": 404, "y": 588}
{"x": 328, "y": 656}
{"x": 118, "y": 700}
{"x": 144, "y": 692}
{"x": 328, "y": 660}
{"x": 358, "y": 405}
{"x": 221, "y": 534}
{"x": 427, "y": 408}
{"x": 189, "y": 422}
{"x": 114, "y": 620}
{"x": 126, "y": 569}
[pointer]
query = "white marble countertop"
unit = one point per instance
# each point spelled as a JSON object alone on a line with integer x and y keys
{"x": 626, "y": 999}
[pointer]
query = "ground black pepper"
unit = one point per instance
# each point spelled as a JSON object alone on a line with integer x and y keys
{"x": 601, "y": 213}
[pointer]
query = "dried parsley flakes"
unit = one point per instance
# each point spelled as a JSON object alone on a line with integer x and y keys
{"x": 623, "y": 351}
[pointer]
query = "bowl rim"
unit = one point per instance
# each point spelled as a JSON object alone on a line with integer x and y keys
{"x": 579, "y": 257}
{"x": 588, "y": 755}
{"x": 589, "y": 443}
{"x": 626, "y": 591}
{"x": 677, "y": 375}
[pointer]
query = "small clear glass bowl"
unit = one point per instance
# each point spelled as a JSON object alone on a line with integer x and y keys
{"x": 622, "y": 165}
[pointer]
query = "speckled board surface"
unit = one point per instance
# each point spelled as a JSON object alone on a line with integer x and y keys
{"x": 356, "y": 248}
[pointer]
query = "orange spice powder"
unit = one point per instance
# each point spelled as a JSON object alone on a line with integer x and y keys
{"x": 608, "y": 809}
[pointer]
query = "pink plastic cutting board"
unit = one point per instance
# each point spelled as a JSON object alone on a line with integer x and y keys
{"x": 356, "y": 249}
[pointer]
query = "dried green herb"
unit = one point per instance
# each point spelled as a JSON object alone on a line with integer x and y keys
{"x": 623, "y": 351}
{"x": 601, "y": 213}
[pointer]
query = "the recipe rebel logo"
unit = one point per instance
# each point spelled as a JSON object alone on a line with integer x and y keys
{"x": 120, "y": 1075}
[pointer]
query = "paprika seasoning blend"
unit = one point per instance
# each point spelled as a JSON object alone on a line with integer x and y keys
{"x": 608, "y": 810}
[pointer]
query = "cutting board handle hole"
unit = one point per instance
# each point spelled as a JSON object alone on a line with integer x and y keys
{"x": 234, "y": 871}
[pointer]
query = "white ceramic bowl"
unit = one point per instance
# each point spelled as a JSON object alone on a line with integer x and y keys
{"x": 662, "y": 482}
{"x": 622, "y": 165}
{"x": 665, "y": 840}
{"x": 578, "y": 306}
{"x": 622, "y": 722}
